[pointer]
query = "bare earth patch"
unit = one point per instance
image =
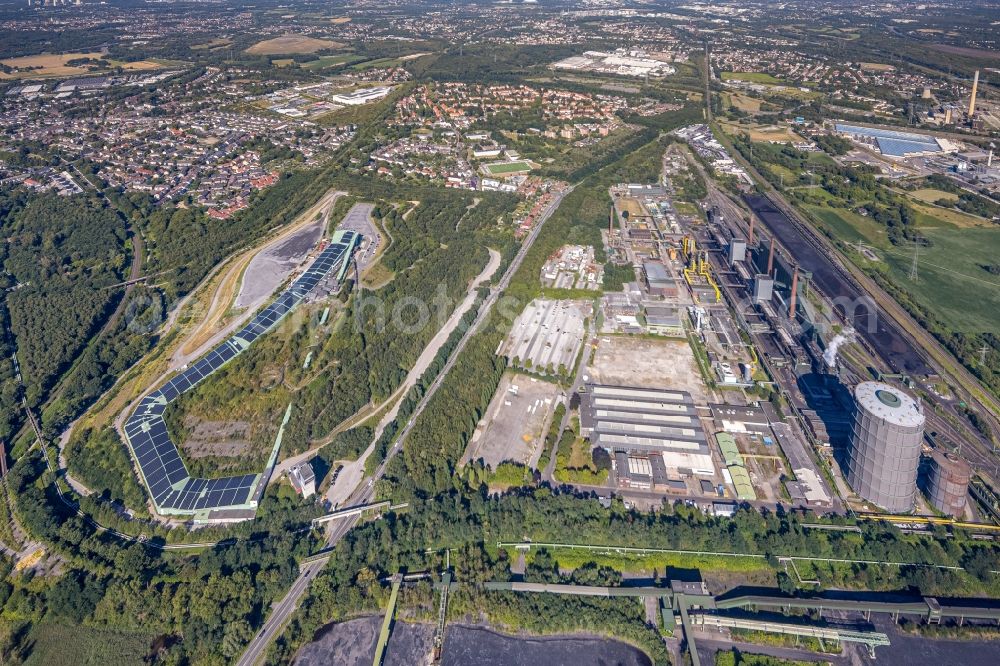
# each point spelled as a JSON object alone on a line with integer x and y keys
{"x": 515, "y": 422}
{"x": 216, "y": 438}
{"x": 648, "y": 363}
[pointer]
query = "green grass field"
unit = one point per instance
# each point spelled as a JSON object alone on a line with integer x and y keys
{"x": 87, "y": 646}
{"x": 937, "y": 216}
{"x": 379, "y": 62}
{"x": 849, "y": 226}
{"x": 685, "y": 208}
{"x": 331, "y": 61}
{"x": 931, "y": 195}
{"x": 951, "y": 280}
{"x": 572, "y": 559}
{"x": 505, "y": 168}
{"x": 752, "y": 77}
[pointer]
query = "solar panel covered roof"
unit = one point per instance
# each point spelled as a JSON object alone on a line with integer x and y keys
{"x": 172, "y": 489}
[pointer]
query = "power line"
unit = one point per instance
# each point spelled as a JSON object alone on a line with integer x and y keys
{"x": 914, "y": 277}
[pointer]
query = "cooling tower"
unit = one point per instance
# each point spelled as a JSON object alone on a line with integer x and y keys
{"x": 948, "y": 483}
{"x": 885, "y": 446}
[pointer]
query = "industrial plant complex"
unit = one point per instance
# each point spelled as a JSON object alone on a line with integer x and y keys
{"x": 517, "y": 332}
{"x": 659, "y": 375}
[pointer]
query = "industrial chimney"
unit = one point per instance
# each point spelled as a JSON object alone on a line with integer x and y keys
{"x": 795, "y": 288}
{"x": 972, "y": 99}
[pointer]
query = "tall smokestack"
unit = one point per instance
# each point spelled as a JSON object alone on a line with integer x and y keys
{"x": 972, "y": 99}
{"x": 795, "y": 288}
{"x": 770, "y": 258}
{"x": 750, "y": 240}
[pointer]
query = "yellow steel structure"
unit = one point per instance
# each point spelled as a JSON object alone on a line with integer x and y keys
{"x": 698, "y": 265}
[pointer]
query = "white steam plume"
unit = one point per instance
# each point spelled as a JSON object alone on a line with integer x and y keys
{"x": 830, "y": 354}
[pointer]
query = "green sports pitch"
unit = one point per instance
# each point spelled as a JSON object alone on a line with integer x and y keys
{"x": 504, "y": 168}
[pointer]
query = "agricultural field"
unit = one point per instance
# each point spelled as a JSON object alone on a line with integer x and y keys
{"x": 288, "y": 44}
{"x": 60, "y": 644}
{"x": 49, "y": 65}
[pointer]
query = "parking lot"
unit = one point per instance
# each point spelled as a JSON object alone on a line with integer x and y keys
{"x": 358, "y": 219}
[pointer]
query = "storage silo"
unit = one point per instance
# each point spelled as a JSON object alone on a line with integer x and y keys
{"x": 885, "y": 446}
{"x": 948, "y": 483}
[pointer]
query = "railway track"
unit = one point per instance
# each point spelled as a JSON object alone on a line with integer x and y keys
{"x": 932, "y": 355}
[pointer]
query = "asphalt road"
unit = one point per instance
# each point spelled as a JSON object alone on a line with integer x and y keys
{"x": 283, "y": 610}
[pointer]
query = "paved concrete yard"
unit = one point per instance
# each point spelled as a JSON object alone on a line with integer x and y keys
{"x": 359, "y": 219}
{"x": 515, "y": 423}
{"x": 635, "y": 361}
{"x": 269, "y": 268}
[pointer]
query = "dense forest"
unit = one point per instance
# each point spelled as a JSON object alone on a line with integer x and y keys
{"x": 199, "y": 608}
{"x": 64, "y": 253}
{"x": 60, "y": 255}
